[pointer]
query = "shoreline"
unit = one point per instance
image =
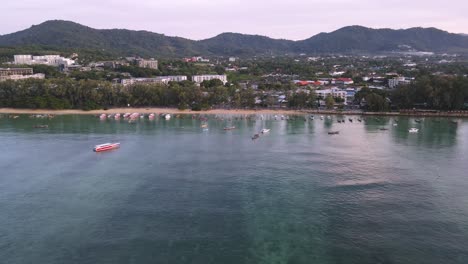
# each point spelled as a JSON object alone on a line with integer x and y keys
{"x": 158, "y": 110}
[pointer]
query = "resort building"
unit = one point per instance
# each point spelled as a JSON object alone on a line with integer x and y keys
{"x": 52, "y": 60}
{"x": 202, "y": 78}
{"x": 19, "y": 74}
{"x": 159, "y": 79}
{"x": 152, "y": 63}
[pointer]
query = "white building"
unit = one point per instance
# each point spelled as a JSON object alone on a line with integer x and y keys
{"x": 335, "y": 92}
{"x": 152, "y": 63}
{"x": 23, "y": 59}
{"x": 159, "y": 79}
{"x": 394, "y": 82}
{"x": 52, "y": 60}
{"x": 202, "y": 78}
{"x": 17, "y": 77}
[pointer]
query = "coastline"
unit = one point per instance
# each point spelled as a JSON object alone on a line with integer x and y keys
{"x": 159, "y": 110}
{"x": 149, "y": 110}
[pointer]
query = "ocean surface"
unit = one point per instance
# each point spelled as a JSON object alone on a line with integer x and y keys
{"x": 174, "y": 193}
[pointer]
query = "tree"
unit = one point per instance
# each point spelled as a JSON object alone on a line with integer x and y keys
{"x": 329, "y": 101}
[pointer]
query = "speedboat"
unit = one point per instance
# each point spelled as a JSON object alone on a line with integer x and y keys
{"x": 413, "y": 130}
{"x": 265, "y": 130}
{"x": 333, "y": 132}
{"x": 230, "y": 128}
{"x": 106, "y": 147}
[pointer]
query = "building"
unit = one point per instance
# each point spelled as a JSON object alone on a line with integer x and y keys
{"x": 152, "y": 63}
{"x": 335, "y": 92}
{"x": 343, "y": 81}
{"x": 23, "y": 59}
{"x": 22, "y": 77}
{"x": 15, "y": 71}
{"x": 159, "y": 79}
{"x": 394, "y": 82}
{"x": 202, "y": 78}
{"x": 52, "y": 60}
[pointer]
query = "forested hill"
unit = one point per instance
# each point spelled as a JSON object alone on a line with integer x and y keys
{"x": 68, "y": 35}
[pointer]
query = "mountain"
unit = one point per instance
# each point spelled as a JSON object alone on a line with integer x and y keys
{"x": 354, "y": 39}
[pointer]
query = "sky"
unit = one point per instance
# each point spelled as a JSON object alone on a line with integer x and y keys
{"x": 200, "y": 19}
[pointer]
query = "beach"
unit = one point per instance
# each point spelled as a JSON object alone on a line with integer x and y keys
{"x": 148, "y": 111}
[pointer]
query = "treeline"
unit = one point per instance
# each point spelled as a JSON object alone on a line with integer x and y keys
{"x": 435, "y": 92}
{"x": 67, "y": 93}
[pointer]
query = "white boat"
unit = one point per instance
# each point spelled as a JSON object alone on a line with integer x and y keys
{"x": 103, "y": 117}
{"x": 321, "y": 117}
{"x": 413, "y": 130}
{"x": 106, "y": 147}
{"x": 167, "y": 117}
{"x": 265, "y": 130}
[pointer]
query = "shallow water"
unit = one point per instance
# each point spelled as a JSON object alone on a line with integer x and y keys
{"x": 174, "y": 193}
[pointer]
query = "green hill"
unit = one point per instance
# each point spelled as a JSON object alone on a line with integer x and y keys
{"x": 66, "y": 35}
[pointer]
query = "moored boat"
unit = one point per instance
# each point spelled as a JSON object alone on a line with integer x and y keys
{"x": 413, "y": 130}
{"x": 106, "y": 147}
{"x": 229, "y": 128}
{"x": 333, "y": 132}
{"x": 265, "y": 130}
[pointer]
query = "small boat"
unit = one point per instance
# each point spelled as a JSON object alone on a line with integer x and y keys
{"x": 321, "y": 117}
{"x": 454, "y": 122}
{"x": 41, "y": 126}
{"x": 359, "y": 120}
{"x": 151, "y": 117}
{"x": 103, "y": 117}
{"x": 417, "y": 120}
{"x": 265, "y": 130}
{"x": 117, "y": 116}
{"x": 106, "y": 147}
{"x": 395, "y": 124}
{"x": 343, "y": 121}
{"x": 255, "y": 136}
{"x": 230, "y": 128}
{"x": 350, "y": 120}
{"x": 383, "y": 129}
{"x": 167, "y": 116}
{"x": 413, "y": 130}
{"x": 339, "y": 121}
{"x": 311, "y": 117}
{"x": 204, "y": 126}
{"x": 333, "y": 132}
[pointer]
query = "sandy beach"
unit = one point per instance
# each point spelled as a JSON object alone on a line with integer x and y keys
{"x": 147, "y": 111}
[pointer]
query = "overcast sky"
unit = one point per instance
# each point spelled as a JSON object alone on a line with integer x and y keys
{"x": 199, "y": 19}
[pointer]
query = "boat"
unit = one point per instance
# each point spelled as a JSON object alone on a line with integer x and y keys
{"x": 204, "y": 126}
{"x": 106, "y": 147}
{"x": 383, "y": 129}
{"x": 230, "y": 128}
{"x": 454, "y": 122}
{"x": 167, "y": 116}
{"x": 117, "y": 116}
{"x": 413, "y": 130}
{"x": 103, "y": 117}
{"x": 151, "y": 117}
{"x": 311, "y": 117}
{"x": 417, "y": 120}
{"x": 350, "y": 120}
{"x": 321, "y": 117}
{"x": 359, "y": 120}
{"x": 255, "y": 136}
{"x": 41, "y": 126}
{"x": 339, "y": 121}
{"x": 265, "y": 130}
{"x": 333, "y": 132}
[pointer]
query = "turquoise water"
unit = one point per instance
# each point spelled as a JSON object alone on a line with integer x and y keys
{"x": 174, "y": 193}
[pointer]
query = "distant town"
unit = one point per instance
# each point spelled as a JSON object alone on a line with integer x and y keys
{"x": 375, "y": 83}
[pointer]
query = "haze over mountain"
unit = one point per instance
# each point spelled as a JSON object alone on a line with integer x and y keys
{"x": 68, "y": 35}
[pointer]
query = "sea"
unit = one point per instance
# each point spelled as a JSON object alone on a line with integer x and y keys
{"x": 180, "y": 192}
